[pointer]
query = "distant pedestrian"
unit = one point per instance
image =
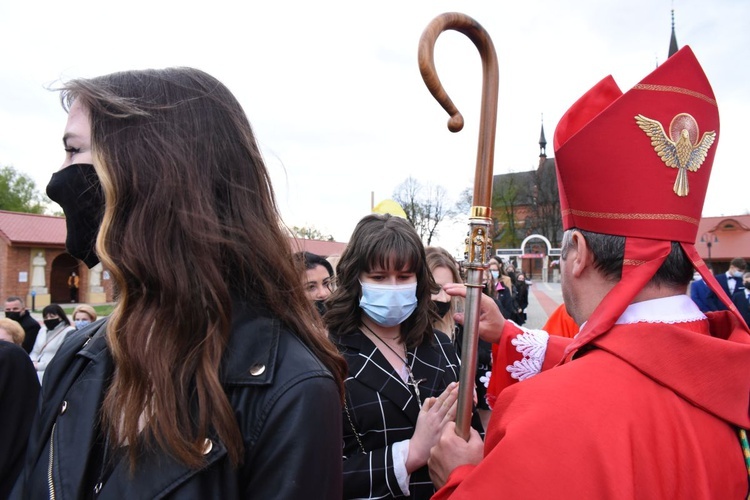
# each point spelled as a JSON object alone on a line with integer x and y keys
{"x": 83, "y": 315}
{"x": 522, "y": 296}
{"x": 728, "y": 281}
{"x": 73, "y": 282}
{"x": 51, "y": 336}
{"x": 15, "y": 309}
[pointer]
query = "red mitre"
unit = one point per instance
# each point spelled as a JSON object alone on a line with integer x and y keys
{"x": 637, "y": 165}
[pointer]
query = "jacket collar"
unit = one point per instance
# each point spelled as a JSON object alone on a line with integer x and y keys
{"x": 251, "y": 354}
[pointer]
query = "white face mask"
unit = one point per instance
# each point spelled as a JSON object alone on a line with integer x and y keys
{"x": 388, "y": 305}
{"x": 81, "y": 323}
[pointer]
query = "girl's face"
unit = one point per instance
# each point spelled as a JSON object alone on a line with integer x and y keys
{"x": 388, "y": 276}
{"x": 317, "y": 283}
{"x": 77, "y": 136}
{"x": 51, "y": 316}
{"x": 442, "y": 276}
{"x": 80, "y": 315}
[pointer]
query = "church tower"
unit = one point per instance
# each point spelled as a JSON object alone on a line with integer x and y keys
{"x": 542, "y": 146}
{"x": 673, "y": 48}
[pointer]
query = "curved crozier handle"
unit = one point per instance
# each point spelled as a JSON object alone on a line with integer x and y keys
{"x": 488, "y": 119}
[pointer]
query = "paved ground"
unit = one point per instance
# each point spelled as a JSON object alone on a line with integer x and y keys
{"x": 543, "y": 299}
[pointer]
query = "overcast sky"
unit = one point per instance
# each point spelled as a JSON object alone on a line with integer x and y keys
{"x": 333, "y": 90}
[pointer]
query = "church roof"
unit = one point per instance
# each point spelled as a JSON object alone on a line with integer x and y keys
{"x": 318, "y": 247}
{"x": 32, "y": 229}
{"x": 729, "y": 237}
{"x": 22, "y": 229}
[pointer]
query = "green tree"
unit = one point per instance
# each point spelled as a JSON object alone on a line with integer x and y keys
{"x": 18, "y": 192}
{"x": 506, "y": 197}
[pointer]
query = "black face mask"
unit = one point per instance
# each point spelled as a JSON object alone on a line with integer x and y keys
{"x": 442, "y": 307}
{"x": 77, "y": 190}
{"x": 51, "y": 323}
{"x": 14, "y": 315}
{"x": 320, "y": 306}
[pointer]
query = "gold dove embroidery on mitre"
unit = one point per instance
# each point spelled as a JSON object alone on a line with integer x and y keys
{"x": 681, "y": 150}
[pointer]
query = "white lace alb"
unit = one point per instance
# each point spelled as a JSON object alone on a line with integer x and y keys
{"x": 532, "y": 345}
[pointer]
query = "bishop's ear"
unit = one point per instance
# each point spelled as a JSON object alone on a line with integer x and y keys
{"x": 580, "y": 258}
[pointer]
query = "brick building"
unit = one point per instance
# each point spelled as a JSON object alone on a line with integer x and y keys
{"x": 721, "y": 239}
{"x": 35, "y": 265}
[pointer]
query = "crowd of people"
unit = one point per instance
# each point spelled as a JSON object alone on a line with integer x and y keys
{"x": 232, "y": 367}
{"x": 735, "y": 283}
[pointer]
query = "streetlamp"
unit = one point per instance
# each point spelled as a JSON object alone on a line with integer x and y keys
{"x": 709, "y": 239}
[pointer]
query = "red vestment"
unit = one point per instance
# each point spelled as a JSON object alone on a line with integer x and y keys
{"x": 651, "y": 410}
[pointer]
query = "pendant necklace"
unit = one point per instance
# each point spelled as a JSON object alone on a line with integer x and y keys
{"x": 411, "y": 381}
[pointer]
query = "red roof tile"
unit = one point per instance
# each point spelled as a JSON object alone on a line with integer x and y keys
{"x": 20, "y": 228}
{"x": 318, "y": 247}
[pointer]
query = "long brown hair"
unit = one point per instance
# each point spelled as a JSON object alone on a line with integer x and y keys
{"x": 440, "y": 257}
{"x": 190, "y": 227}
{"x": 382, "y": 241}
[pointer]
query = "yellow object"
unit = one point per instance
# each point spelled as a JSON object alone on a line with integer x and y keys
{"x": 389, "y": 207}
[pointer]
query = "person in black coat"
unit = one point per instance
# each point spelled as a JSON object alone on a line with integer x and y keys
{"x": 19, "y": 391}
{"x": 212, "y": 377}
{"x": 15, "y": 309}
{"x": 522, "y": 296}
{"x": 729, "y": 282}
{"x": 401, "y": 388}
{"x": 741, "y": 297}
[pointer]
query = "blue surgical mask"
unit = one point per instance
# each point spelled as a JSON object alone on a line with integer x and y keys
{"x": 81, "y": 323}
{"x": 388, "y": 305}
{"x": 495, "y": 274}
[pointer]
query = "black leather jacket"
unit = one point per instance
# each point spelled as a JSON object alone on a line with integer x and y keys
{"x": 286, "y": 402}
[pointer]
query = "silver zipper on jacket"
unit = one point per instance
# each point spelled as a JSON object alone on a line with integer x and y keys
{"x": 49, "y": 467}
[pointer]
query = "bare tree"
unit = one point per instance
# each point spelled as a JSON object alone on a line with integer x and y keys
{"x": 426, "y": 206}
{"x": 465, "y": 201}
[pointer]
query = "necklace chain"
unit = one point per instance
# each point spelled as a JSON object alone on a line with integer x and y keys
{"x": 412, "y": 382}
{"x": 404, "y": 360}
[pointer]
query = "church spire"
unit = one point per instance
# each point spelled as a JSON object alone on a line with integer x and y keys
{"x": 673, "y": 48}
{"x": 542, "y": 142}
